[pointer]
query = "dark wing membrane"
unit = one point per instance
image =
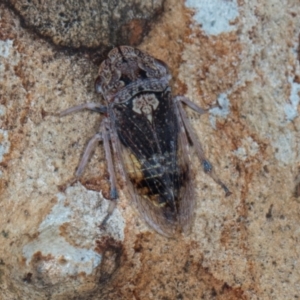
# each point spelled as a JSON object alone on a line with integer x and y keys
{"x": 153, "y": 150}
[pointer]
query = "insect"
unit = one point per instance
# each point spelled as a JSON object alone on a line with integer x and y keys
{"x": 150, "y": 135}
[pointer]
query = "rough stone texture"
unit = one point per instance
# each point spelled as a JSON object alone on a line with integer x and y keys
{"x": 88, "y": 24}
{"x": 242, "y": 247}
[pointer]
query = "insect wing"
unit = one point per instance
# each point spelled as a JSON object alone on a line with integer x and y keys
{"x": 152, "y": 148}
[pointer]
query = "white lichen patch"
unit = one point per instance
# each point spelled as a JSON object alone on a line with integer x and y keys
{"x": 221, "y": 111}
{"x": 214, "y": 16}
{"x": 2, "y": 110}
{"x": 283, "y": 147}
{"x": 4, "y": 143}
{"x": 5, "y": 47}
{"x": 290, "y": 108}
{"x": 9, "y": 58}
{"x": 249, "y": 148}
{"x": 82, "y": 210}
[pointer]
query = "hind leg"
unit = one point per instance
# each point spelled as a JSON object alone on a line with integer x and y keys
{"x": 207, "y": 166}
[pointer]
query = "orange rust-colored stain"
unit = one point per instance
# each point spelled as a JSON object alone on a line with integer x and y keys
{"x": 38, "y": 257}
{"x": 135, "y": 29}
{"x": 3, "y": 184}
{"x": 236, "y": 129}
{"x": 22, "y": 261}
{"x": 100, "y": 183}
{"x": 193, "y": 281}
{"x": 228, "y": 234}
{"x": 166, "y": 40}
{"x": 219, "y": 58}
{"x": 181, "y": 88}
{"x": 107, "y": 243}
{"x": 6, "y": 23}
{"x": 62, "y": 260}
{"x": 63, "y": 229}
{"x": 297, "y": 79}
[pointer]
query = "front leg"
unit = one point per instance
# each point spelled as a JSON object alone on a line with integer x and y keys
{"x": 102, "y": 136}
{"x": 207, "y": 166}
{"x": 90, "y": 106}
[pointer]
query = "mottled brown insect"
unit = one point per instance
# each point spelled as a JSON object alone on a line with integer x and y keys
{"x": 151, "y": 136}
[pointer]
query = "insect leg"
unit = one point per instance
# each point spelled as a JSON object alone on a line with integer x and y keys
{"x": 103, "y": 136}
{"x": 105, "y": 130}
{"x": 90, "y": 106}
{"x": 191, "y": 105}
{"x": 207, "y": 166}
{"x": 87, "y": 153}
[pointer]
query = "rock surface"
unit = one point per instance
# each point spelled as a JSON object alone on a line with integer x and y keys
{"x": 88, "y": 24}
{"x": 245, "y": 55}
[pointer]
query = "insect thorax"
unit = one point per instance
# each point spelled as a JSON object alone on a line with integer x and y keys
{"x": 128, "y": 71}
